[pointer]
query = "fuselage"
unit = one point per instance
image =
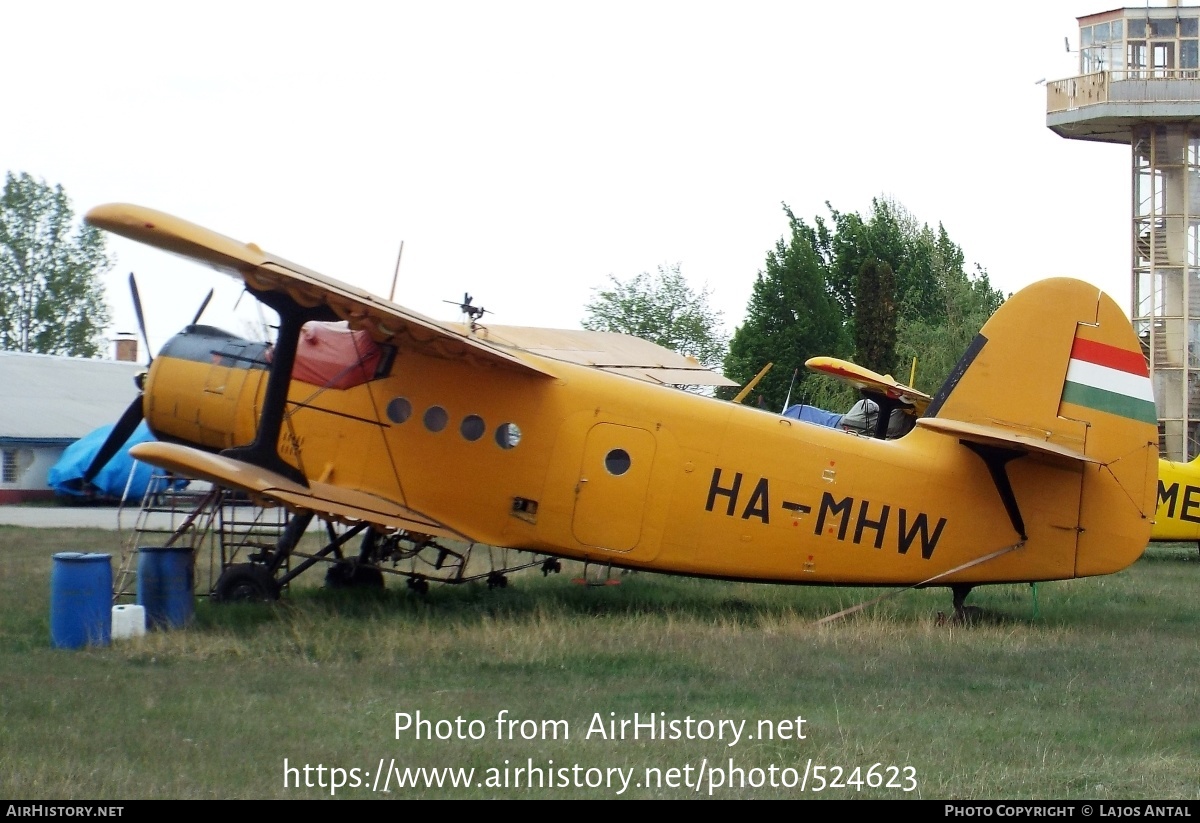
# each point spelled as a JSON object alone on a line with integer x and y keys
{"x": 590, "y": 465}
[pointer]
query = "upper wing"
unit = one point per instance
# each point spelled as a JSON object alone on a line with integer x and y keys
{"x": 386, "y": 321}
{"x": 335, "y": 502}
{"x": 863, "y": 378}
{"x": 390, "y": 323}
{"x": 608, "y": 351}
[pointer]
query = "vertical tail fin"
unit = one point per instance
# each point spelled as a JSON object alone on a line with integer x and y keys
{"x": 1059, "y": 362}
{"x": 1058, "y": 369}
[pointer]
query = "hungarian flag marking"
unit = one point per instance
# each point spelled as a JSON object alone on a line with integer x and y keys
{"x": 1109, "y": 379}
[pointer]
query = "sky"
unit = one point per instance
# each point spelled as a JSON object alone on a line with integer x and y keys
{"x": 525, "y": 152}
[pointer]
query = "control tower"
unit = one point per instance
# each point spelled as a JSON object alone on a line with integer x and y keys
{"x": 1139, "y": 84}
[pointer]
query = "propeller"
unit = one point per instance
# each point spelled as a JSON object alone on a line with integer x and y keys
{"x": 203, "y": 306}
{"x": 122, "y": 431}
{"x": 141, "y": 318}
{"x": 134, "y": 414}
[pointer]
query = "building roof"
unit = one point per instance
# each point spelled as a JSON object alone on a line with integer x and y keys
{"x": 46, "y": 397}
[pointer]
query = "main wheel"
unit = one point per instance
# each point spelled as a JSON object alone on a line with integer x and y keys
{"x": 246, "y": 583}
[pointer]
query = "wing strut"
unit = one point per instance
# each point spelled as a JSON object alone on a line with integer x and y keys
{"x": 264, "y": 450}
{"x": 996, "y": 459}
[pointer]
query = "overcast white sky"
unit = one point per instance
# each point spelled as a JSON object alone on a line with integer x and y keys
{"x": 524, "y": 151}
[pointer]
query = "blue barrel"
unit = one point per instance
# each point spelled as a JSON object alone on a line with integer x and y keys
{"x": 81, "y": 600}
{"x": 165, "y": 581}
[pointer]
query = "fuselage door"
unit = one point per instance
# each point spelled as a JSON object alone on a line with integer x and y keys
{"x": 610, "y": 496}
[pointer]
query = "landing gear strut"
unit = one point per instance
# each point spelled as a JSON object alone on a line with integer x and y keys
{"x": 960, "y": 591}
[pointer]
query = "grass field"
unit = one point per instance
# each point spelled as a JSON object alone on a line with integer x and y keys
{"x": 1080, "y": 689}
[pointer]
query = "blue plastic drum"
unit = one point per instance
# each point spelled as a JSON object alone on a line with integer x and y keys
{"x": 165, "y": 582}
{"x": 81, "y": 600}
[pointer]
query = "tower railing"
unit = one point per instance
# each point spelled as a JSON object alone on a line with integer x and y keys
{"x": 1124, "y": 86}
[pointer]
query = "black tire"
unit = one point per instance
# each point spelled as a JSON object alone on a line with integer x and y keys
{"x": 246, "y": 583}
{"x": 346, "y": 574}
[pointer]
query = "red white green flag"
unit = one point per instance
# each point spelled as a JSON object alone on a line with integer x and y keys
{"x": 1109, "y": 379}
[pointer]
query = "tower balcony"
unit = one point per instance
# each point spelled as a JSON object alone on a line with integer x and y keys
{"x": 1104, "y": 106}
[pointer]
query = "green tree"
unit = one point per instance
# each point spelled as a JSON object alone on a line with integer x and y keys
{"x": 51, "y": 295}
{"x": 883, "y": 289}
{"x": 663, "y": 309}
{"x": 875, "y": 317}
{"x": 936, "y": 345}
{"x": 938, "y": 306}
{"x": 792, "y": 316}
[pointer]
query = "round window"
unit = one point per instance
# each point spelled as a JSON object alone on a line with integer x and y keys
{"x": 436, "y": 418}
{"x": 472, "y": 427}
{"x": 508, "y": 435}
{"x": 617, "y": 462}
{"x": 399, "y": 410}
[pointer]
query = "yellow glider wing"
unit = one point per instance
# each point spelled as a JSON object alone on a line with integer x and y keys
{"x": 265, "y": 486}
{"x": 863, "y": 378}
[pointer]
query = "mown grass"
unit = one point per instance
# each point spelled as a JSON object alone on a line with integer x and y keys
{"x": 1091, "y": 695}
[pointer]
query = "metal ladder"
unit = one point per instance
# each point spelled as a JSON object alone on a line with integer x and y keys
{"x": 219, "y": 525}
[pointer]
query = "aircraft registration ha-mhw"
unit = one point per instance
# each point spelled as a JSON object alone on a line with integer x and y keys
{"x": 1037, "y": 460}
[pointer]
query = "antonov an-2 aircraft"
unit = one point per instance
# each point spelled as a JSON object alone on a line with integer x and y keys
{"x": 1037, "y": 460}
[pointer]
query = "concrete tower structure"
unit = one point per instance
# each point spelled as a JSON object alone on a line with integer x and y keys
{"x": 1139, "y": 83}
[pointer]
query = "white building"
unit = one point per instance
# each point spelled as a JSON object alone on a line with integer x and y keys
{"x": 48, "y": 403}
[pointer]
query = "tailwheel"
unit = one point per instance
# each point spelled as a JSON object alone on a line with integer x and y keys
{"x": 246, "y": 583}
{"x": 347, "y": 574}
{"x": 418, "y": 584}
{"x": 496, "y": 580}
{"x": 963, "y": 613}
{"x": 551, "y": 565}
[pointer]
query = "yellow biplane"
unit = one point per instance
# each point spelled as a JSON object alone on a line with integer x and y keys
{"x": 1037, "y": 460}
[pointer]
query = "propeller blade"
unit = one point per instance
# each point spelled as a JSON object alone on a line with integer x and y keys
{"x": 137, "y": 309}
{"x": 116, "y": 439}
{"x": 203, "y": 306}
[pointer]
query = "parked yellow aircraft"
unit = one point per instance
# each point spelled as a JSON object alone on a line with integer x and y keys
{"x": 1035, "y": 461}
{"x": 1178, "y": 515}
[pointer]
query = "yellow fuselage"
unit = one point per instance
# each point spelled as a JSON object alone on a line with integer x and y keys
{"x": 615, "y": 470}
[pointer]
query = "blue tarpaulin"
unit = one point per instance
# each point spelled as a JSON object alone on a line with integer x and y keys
{"x": 111, "y": 481}
{"x": 811, "y": 414}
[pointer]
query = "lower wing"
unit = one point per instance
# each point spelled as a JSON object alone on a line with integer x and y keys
{"x": 328, "y": 500}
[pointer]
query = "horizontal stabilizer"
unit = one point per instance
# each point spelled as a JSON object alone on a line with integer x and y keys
{"x": 1003, "y": 438}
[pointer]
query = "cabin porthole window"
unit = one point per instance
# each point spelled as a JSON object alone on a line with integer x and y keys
{"x": 617, "y": 462}
{"x": 508, "y": 435}
{"x": 472, "y": 427}
{"x": 436, "y": 418}
{"x": 399, "y": 410}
